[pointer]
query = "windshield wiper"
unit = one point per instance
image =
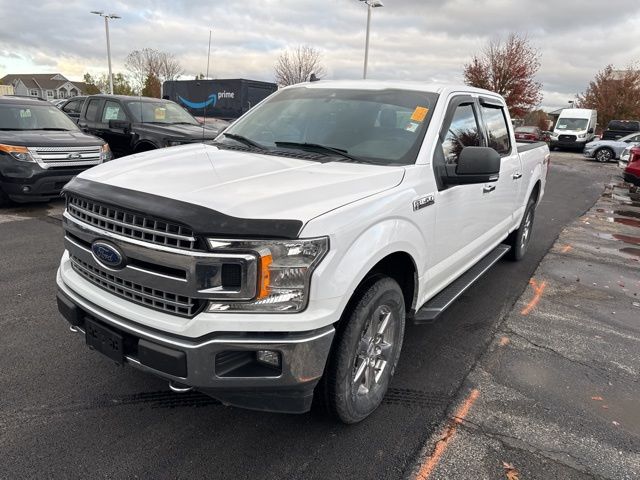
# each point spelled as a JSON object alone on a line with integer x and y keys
{"x": 321, "y": 148}
{"x": 185, "y": 123}
{"x": 245, "y": 140}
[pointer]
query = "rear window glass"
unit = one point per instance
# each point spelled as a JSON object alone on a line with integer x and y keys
{"x": 625, "y": 125}
{"x": 527, "y": 129}
{"x": 497, "y": 129}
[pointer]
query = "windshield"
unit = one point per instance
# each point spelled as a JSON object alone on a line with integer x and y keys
{"x": 34, "y": 117}
{"x": 160, "y": 112}
{"x": 379, "y": 126}
{"x": 572, "y": 124}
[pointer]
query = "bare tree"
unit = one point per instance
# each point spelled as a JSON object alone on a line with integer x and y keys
{"x": 508, "y": 68}
{"x": 170, "y": 68}
{"x": 297, "y": 64}
{"x": 150, "y": 62}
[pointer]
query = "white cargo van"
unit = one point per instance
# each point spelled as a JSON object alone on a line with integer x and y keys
{"x": 575, "y": 128}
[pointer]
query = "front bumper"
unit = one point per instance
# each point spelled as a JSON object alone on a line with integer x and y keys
{"x": 631, "y": 178}
{"x": 28, "y": 182}
{"x": 219, "y": 365}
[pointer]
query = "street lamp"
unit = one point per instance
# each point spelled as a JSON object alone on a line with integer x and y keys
{"x": 370, "y": 4}
{"x": 106, "y": 27}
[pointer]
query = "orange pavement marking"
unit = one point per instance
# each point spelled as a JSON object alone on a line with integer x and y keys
{"x": 430, "y": 462}
{"x": 538, "y": 289}
{"x": 566, "y": 248}
{"x": 504, "y": 341}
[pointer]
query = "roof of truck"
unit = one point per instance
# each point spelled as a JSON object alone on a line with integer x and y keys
{"x": 440, "y": 88}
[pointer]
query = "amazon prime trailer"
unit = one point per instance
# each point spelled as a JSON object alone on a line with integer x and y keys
{"x": 225, "y": 99}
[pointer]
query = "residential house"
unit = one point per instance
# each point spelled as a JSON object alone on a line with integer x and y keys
{"x": 49, "y": 86}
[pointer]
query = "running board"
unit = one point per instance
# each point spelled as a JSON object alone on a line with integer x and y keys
{"x": 438, "y": 304}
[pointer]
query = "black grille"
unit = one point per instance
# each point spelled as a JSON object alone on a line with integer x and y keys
{"x": 567, "y": 138}
{"x": 129, "y": 224}
{"x": 147, "y": 296}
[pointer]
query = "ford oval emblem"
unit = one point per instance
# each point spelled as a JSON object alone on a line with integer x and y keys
{"x": 107, "y": 254}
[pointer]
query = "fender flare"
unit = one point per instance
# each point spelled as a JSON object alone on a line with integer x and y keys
{"x": 389, "y": 236}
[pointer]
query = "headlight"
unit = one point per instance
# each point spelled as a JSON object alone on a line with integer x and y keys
{"x": 19, "y": 153}
{"x": 582, "y": 135}
{"x": 284, "y": 273}
{"x": 105, "y": 153}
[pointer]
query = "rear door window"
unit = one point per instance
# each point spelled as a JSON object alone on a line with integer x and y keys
{"x": 112, "y": 111}
{"x": 497, "y": 130}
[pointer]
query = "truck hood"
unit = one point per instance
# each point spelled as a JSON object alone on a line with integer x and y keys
{"x": 178, "y": 132}
{"x": 45, "y": 138}
{"x": 244, "y": 184}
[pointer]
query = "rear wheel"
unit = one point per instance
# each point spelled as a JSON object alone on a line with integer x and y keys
{"x": 365, "y": 352}
{"x": 604, "y": 155}
{"x": 519, "y": 240}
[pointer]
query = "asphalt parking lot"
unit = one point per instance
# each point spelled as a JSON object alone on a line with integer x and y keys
{"x": 66, "y": 412}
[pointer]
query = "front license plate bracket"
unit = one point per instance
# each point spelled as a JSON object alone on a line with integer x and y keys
{"x": 104, "y": 340}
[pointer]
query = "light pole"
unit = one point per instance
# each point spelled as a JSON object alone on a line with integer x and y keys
{"x": 370, "y": 4}
{"x": 106, "y": 28}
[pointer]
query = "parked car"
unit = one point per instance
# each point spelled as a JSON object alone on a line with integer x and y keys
{"x": 624, "y": 157}
{"x": 73, "y": 107}
{"x": 574, "y": 128}
{"x": 138, "y": 124}
{"x": 620, "y": 128}
{"x": 41, "y": 150}
{"x": 632, "y": 170}
{"x": 608, "y": 150}
{"x": 58, "y": 101}
{"x": 294, "y": 247}
{"x": 529, "y": 134}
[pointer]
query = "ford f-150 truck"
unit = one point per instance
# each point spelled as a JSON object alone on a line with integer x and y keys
{"x": 283, "y": 260}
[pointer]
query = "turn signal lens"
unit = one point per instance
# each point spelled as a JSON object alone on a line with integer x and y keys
{"x": 265, "y": 276}
{"x": 18, "y": 152}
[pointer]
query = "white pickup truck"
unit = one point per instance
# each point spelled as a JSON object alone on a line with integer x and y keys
{"x": 282, "y": 260}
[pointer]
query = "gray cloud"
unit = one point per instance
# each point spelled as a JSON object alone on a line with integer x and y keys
{"x": 411, "y": 39}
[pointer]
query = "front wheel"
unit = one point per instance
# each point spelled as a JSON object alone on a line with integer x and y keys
{"x": 366, "y": 352}
{"x": 604, "y": 155}
{"x": 519, "y": 240}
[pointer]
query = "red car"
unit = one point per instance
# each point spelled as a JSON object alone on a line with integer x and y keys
{"x": 529, "y": 134}
{"x": 632, "y": 172}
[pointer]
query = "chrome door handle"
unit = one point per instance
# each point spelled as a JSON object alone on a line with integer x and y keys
{"x": 488, "y": 188}
{"x": 516, "y": 176}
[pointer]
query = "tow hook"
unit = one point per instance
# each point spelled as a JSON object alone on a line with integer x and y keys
{"x": 179, "y": 387}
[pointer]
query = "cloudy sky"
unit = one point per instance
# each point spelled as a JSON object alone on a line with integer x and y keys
{"x": 426, "y": 40}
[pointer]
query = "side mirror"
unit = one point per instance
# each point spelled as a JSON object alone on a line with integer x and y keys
{"x": 590, "y": 130}
{"x": 120, "y": 125}
{"x": 475, "y": 165}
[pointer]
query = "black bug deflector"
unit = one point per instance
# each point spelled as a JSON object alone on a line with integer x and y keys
{"x": 204, "y": 221}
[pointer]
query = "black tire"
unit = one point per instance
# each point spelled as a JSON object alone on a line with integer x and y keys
{"x": 362, "y": 360}
{"x": 519, "y": 240}
{"x": 604, "y": 155}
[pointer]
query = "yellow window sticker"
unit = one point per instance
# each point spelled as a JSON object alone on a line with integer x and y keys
{"x": 160, "y": 113}
{"x": 419, "y": 114}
